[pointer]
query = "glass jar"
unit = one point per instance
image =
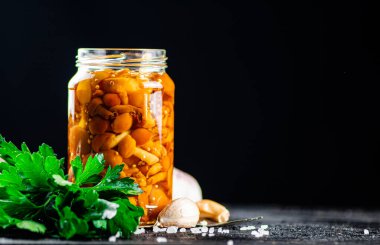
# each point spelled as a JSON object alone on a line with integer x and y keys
{"x": 121, "y": 104}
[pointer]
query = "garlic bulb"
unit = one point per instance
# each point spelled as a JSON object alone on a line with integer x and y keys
{"x": 185, "y": 185}
{"x": 181, "y": 212}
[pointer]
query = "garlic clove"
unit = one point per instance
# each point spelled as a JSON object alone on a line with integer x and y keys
{"x": 213, "y": 210}
{"x": 182, "y": 213}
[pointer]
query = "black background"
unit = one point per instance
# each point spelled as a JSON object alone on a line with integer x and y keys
{"x": 276, "y": 102}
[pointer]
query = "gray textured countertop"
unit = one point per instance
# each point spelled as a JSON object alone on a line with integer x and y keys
{"x": 286, "y": 226}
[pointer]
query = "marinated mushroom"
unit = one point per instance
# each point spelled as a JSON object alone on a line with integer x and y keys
{"x": 112, "y": 158}
{"x": 98, "y": 93}
{"x": 114, "y": 140}
{"x": 157, "y": 198}
{"x": 141, "y": 135}
{"x": 122, "y": 123}
{"x": 98, "y": 125}
{"x": 99, "y": 76}
{"x": 154, "y": 169}
{"x": 139, "y": 98}
{"x": 147, "y": 157}
{"x": 142, "y": 117}
{"x": 107, "y": 141}
{"x": 127, "y": 147}
{"x": 121, "y": 86}
{"x": 83, "y": 91}
{"x": 111, "y": 100}
{"x": 96, "y": 107}
{"x": 161, "y": 176}
{"x": 95, "y": 102}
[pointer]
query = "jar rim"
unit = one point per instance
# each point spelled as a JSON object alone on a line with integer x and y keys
{"x": 121, "y": 57}
{"x": 125, "y": 49}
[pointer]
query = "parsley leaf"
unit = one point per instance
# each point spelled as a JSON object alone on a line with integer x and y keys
{"x": 32, "y": 168}
{"x": 111, "y": 182}
{"x": 94, "y": 166}
{"x": 127, "y": 216}
{"x": 10, "y": 177}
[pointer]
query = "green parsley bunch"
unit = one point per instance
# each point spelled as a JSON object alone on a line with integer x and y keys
{"x": 36, "y": 195}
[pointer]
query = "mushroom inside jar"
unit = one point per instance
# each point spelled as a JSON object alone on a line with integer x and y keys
{"x": 128, "y": 116}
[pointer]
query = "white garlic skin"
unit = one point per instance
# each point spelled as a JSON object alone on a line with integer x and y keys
{"x": 182, "y": 213}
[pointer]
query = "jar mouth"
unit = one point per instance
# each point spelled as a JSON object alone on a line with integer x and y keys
{"x": 121, "y": 57}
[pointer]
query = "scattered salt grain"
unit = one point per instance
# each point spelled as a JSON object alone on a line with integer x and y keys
{"x": 230, "y": 242}
{"x": 204, "y": 234}
{"x": 158, "y": 229}
{"x": 139, "y": 231}
{"x": 366, "y": 232}
{"x": 161, "y": 239}
{"x": 195, "y": 230}
{"x": 226, "y": 231}
{"x": 262, "y": 230}
{"x": 113, "y": 238}
{"x": 204, "y": 229}
{"x": 182, "y": 230}
{"x": 211, "y": 234}
{"x": 220, "y": 230}
{"x": 256, "y": 234}
{"x": 247, "y": 228}
{"x": 172, "y": 229}
{"x": 264, "y": 227}
{"x": 211, "y": 230}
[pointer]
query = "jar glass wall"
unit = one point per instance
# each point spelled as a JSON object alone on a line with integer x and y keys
{"x": 121, "y": 104}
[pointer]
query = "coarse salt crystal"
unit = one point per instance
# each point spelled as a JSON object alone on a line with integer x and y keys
{"x": 172, "y": 229}
{"x": 211, "y": 230}
{"x": 247, "y": 228}
{"x": 161, "y": 239}
{"x": 366, "y": 232}
{"x": 204, "y": 229}
{"x": 195, "y": 230}
{"x": 226, "y": 231}
{"x": 204, "y": 234}
{"x": 256, "y": 234}
{"x": 211, "y": 234}
{"x": 264, "y": 227}
{"x": 265, "y": 233}
{"x": 158, "y": 229}
{"x": 112, "y": 239}
{"x": 182, "y": 230}
{"x": 139, "y": 231}
{"x": 230, "y": 242}
{"x": 220, "y": 230}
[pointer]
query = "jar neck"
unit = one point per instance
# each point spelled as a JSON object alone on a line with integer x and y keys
{"x": 141, "y": 60}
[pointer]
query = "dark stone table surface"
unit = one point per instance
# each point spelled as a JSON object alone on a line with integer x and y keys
{"x": 285, "y": 225}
